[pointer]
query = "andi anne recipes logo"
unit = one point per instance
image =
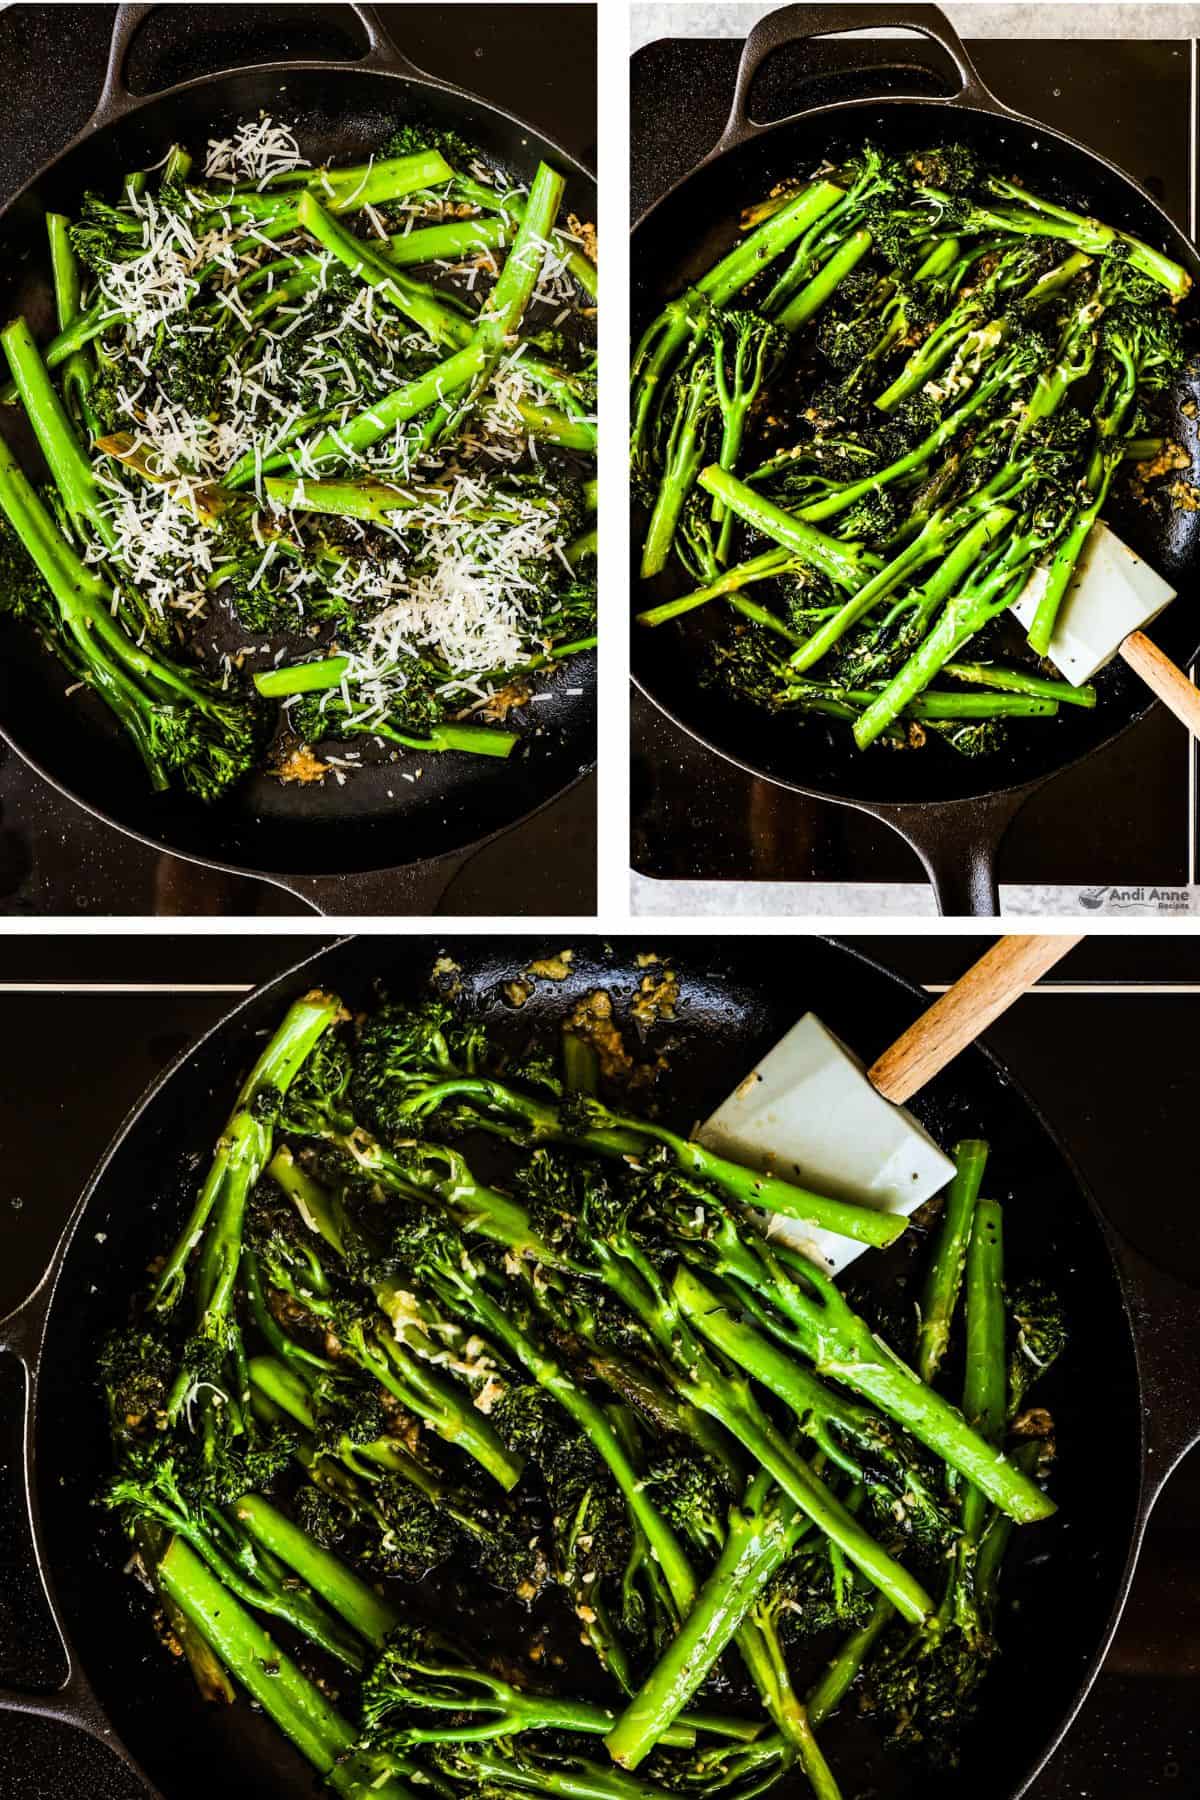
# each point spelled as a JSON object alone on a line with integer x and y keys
{"x": 1136, "y": 899}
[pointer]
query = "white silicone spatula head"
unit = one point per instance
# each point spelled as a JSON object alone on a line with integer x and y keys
{"x": 1112, "y": 594}
{"x": 810, "y": 1112}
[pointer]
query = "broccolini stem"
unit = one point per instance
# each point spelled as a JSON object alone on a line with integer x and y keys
{"x": 1087, "y": 234}
{"x": 236, "y": 1564}
{"x": 80, "y": 599}
{"x": 620, "y": 1135}
{"x": 71, "y": 338}
{"x": 760, "y": 1537}
{"x": 740, "y": 265}
{"x": 475, "y": 740}
{"x": 831, "y": 1688}
{"x": 913, "y": 460}
{"x": 432, "y": 243}
{"x": 268, "y": 1327}
{"x": 322, "y": 1571}
{"x": 930, "y": 543}
{"x": 843, "y": 1348}
{"x": 271, "y": 1678}
{"x": 388, "y": 1357}
{"x": 71, "y": 468}
{"x": 287, "y": 1394}
{"x": 447, "y": 1411}
{"x": 366, "y": 428}
{"x": 581, "y": 1065}
{"x": 985, "y": 1382}
{"x": 501, "y": 314}
{"x": 468, "y": 368}
{"x": 817, "y": 290}
{"x": 277, "y": 1066}
{"x": 682, "y": 319}
{"x": 966, "y": 613}
{"x": 760, "y": 568}
{"x": 806, "y": 544}
{"x": 554, "y": 426}
{"x": 796, "y": 1728}
{"x": 993, "y": 1546}
{"x": 374, "y": 501}
{"x": 755, "y": 1356}
{"x": 1067, "y": 555}
{"x": 339, "y": 190}
{"x": 68, "y": 305}
{"x": 445, "y": 327}
{"x": 317, "y": 677}
{"x": 730, "y": 1401}
{"x": 1017, "y": 681}
{"x": 512, "y": 205}
{"x": 849, "y": 703}
{"x": 762, "y": 615}
{"x": 592, "y": 1420}
{"x": 685, "y": 452}
{"x": 944, "y": 1276}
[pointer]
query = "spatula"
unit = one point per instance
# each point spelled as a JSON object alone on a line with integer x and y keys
{"x": 1112, "y": 596}
{"x": 811, "y": 1112}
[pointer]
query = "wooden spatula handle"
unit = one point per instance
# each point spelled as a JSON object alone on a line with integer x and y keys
{"x": 955, "y": 1020}
{"x": 1168, "y": 683}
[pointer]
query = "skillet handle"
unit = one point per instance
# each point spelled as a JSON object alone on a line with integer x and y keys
{"x": 958, "y": 842}
{"x": 796, "y": 24}
{"x": 116, "y": 100}
{"x": 73, "y": 1703}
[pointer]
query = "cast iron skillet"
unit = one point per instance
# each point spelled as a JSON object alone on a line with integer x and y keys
{"x": 331, "y": 845}
{"x": 952, "y": 810}
{"x": 1125, "y": 1398}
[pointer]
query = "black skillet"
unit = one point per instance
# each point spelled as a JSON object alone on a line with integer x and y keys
{"x": 953, "y": 811}
{"x": 381, "y": 843}
{"x": 1125, "y": 1397}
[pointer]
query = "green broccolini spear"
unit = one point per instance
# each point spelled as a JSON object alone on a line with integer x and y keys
{"x": 683, "y": 319}
{"x": 943, "y": 1279}
{"x": 815, "y": 1320}
{"x": 244, "y": 1148}
{"x": 588, "y": 1123}
{"x": 439, "y": 393}
{"x": 273, "y": 1680}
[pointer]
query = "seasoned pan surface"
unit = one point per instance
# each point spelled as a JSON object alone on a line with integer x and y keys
{"x": 733, "y": 1002}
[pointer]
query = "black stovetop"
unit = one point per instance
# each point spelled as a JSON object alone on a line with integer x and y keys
{"x": 72, "y": 1062}
{"x": 696, "y": 817}
{"x": 56, "y": 859}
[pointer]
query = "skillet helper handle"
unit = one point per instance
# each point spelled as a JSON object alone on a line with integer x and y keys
{"x": 116, "y": 99}
{"x": 73, "y": 1703}
{"x": 797, "y": 24}
{"x": 959, "y": 1016}
{"x": 1165, "y": 680}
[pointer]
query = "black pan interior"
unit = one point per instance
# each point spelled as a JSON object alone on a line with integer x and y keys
{"x": 378, "y": 819}
{"x": 734, "y": 1002}
{"x": 683, "y": 235}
